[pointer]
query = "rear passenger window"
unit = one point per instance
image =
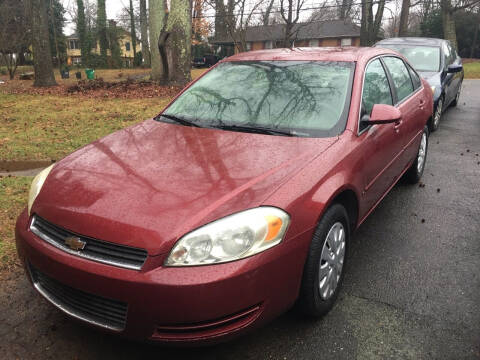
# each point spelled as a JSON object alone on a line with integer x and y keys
{"x": 401, "y": 77}
{"x": 415, "y": 78}
{"x": 376, "y": 89}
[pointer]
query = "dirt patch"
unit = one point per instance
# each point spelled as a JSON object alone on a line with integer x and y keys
{"x": 98, "y": 88}
{"x": 13, "y": 166}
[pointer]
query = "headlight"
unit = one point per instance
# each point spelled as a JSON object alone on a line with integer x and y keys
{"x": 234, "y": 237}
{"x": 433, "y": 89}
{"x": 36, "y": 186}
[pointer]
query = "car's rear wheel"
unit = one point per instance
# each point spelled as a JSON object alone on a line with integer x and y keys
{"x": 324, "y": 268}
{"x": 415, "y": 172}
{"x": 437, "y": 115}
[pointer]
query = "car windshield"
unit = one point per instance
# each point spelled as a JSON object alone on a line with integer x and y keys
{"x": 423, "y": 58}
{"x": 296, "y": 98}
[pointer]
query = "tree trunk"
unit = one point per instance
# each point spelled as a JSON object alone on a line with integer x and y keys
{"x": 144, "y": 32}
{"x": 156, "y": 22}
{"x": 179, "y": 27}
{"x": 366, "y": 8}
{"x": 344, "y": 9}
{"x": 403, "y": 30}
{"x": 133, "y": 33}
{"x": 102, "y": 30}
{"x": 448, "y": 22}
{"x": 82, "y": 32}
{"x": 220, "y": 20}
{"x": 42, "y": 56}
{"x": 474, "y": 42}
{"x": 370, "y": 25}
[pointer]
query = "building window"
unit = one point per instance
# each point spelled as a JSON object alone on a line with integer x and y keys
{"x": 74, "y": 44}
{"x": 77, "y": 60}
{"x": 268, "y": 44}
{"x": 249, "y": 46}
{"x": 346, "y": 42}
{"x": 314, "y": 43}
{"x": 127, "y": 46}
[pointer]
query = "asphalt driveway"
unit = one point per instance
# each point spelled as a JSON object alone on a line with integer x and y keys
{"x": 412, "y": 286}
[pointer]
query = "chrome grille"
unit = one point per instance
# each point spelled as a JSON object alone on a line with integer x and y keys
{"x": 94, "y": 309}
{"x": 96, "y": 250}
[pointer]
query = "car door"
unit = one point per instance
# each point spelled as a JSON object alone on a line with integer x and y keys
{"x": 381, "y": 145}
{"x": 457, "y": 77}
{"x": 411, "y": 102}
{"x": 449, "y": 78}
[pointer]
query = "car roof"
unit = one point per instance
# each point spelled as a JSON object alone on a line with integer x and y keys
{"x": 412, "y": 41}
{"x": 349, "y": 54}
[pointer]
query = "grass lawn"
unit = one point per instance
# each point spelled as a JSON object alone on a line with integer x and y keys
{"x": 48, "y": 127}
{"x": 13, "y": 198}
{"x": 472, "y": 70}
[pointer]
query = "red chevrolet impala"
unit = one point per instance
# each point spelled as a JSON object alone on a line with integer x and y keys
{"x": 234, "y": 203}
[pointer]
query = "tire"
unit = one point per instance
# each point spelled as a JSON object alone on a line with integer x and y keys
{"x": 437, "y": 115}
{"x": 315, "y": 300}
{"x": 415, "y": 172}
{"x": 457, "y": 97}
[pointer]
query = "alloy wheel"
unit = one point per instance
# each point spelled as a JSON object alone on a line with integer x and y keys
{"x": 422, "y": 152}
{"x": 331, "y": 260}
{"x": 438, "y": 113}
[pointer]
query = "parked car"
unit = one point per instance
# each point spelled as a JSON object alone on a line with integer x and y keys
{"x": 437, "y": 61}
{"x": 205, "y": 61}
{"x": 198, "y": 62}
{"x": 236, "y": 202}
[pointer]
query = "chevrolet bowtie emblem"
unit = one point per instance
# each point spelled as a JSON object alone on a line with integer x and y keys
{"x": 75, "y": 243}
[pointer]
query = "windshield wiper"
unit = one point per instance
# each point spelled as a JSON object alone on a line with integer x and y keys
{"x": 255, "y": 129}
{"x": 180, "y": 120}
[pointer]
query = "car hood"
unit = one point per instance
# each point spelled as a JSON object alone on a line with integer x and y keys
{"x": 147, "y": 185}
{"x": 433, "y": 78}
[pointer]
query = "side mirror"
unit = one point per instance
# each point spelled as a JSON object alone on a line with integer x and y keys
{"x": 382, "y": 114}
{"x": 454, "y": 68}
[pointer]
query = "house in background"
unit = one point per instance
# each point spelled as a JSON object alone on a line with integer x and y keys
{"x": 313, "y": 34}
{"x": 74, "y": 53}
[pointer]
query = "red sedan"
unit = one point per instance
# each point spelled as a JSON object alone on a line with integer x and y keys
{"x": 236, "y": 202}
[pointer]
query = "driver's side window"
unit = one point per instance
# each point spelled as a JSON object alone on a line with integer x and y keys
{"x": 376, "y": 89}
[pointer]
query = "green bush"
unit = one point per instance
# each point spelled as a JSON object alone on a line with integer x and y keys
{"x": 3, "y": 71}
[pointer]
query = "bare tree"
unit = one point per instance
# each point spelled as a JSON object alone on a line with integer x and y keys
{"x": 144, "y": 33}
{"x": 290, "y": 12}
{"x": 403, "y": 28}
{"x": 344, "y": 9}
{"x": 266, "y": 14}
{"x": 13, "y": 33}
{"x": 370, "y": 22}
{"x": 42, "y": 56}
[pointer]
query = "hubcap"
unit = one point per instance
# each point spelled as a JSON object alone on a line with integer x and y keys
{"x": 438, "y": 113}
{"x": 422, "y": 151}
{"x": 331, "y": 261}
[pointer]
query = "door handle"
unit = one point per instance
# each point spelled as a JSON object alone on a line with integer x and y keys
{"x": 422, "y": 104}
{"x": 397, "y": 125}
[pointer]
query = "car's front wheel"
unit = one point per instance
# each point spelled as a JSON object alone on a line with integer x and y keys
{"x": 415, "y": 172}
{"x": 457, "y": 97}
{"x": 437, "y": 115}
{"x": 324, "y": 268}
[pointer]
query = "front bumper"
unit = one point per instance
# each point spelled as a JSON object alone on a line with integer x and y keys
{"x": 177, "y": 304}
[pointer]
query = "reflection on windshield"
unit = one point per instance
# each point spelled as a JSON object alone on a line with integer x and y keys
{"x": 423, "y": 58}
{"x": 307, "y": 98}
